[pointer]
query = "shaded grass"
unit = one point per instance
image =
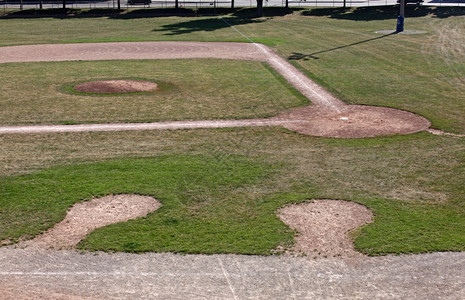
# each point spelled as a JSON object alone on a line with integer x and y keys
{"x": 190, "y": 89}
{"x": 414, "y": 185}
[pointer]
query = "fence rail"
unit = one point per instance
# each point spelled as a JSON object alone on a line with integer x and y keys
{"x": 93, "y": 4}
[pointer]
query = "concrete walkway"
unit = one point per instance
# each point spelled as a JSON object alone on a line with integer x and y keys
{"x": 71, "y": 275}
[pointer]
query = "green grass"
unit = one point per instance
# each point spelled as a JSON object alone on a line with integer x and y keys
{"x": 224, "y": 184}
{"x": 189, "y": 89}
{"x": 413, "y": 184}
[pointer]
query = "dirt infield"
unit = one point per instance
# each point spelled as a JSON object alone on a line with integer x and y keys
{"x": 328, "y": 116}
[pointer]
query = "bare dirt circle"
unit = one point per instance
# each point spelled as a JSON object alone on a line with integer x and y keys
{"x": 116, "y": 86}
{"x": 354, "y": 121}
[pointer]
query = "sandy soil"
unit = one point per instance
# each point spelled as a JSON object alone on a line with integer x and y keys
{"x": 87, "y": 216}
{"x": 116, "y": 86}
{"x": 323, "y": 226}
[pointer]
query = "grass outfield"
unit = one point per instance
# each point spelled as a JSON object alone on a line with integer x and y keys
{"x": 189, "y": 90}
{"x": 220, "y": 188}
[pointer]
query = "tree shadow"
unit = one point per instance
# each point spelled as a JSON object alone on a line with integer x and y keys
{"x": 146, "y": 12}
{"x": 62, "y": 13}
{"x": 302, "y": 56}
{"x": 237, "y": 17}
{"x": 210, "y": 24}
{"x": 384, "y": 12}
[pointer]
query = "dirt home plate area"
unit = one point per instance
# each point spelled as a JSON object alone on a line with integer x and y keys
{"x": 35, "y": 269}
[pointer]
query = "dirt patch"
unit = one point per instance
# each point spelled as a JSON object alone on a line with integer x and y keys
{"x": 87, "y": 216}
{"x": 354, "y": 121}
{"x": 323, "y": 227}
{"x": 116, "y": 86}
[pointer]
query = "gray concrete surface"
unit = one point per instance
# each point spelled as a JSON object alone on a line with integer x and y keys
{"x": 73, "y": 275}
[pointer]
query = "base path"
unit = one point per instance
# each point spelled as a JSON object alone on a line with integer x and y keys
{"x": 144, "y": 126}
{"x": 328, "y": 116}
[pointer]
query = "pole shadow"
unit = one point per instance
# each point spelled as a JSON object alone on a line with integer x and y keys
{"x": 303, "y": 56}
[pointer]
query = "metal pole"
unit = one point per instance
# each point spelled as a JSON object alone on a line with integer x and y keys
{"x": 401, "y": 17}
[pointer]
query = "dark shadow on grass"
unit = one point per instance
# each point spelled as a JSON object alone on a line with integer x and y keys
{"x": 237, "y": 17}
{"x": 384, "y": 12}
{"x": 62, "y": 13}
{"x": 210, "y": 24}
{"x": 302, "y": 56}
{"x": 69, "y": 13}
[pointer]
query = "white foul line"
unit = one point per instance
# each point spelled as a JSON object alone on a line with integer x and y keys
{"x": 175, "y": 125}
{"x": 227, "y": 278}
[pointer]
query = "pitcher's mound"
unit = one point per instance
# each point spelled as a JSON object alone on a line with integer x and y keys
{"x": 355, "y": 121}
{"x": 116, "y": 86}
